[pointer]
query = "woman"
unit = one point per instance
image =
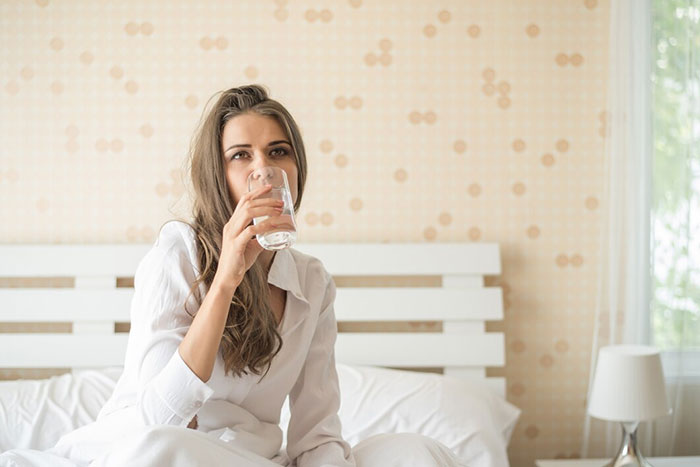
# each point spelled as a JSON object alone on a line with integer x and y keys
{"x": 223, "y": 331}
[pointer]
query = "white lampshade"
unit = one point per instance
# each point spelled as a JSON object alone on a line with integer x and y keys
{"x": 628, "y": 385}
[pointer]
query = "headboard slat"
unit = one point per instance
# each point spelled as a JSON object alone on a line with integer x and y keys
{"x": 418, "y": 303}
{"x": 400, "y": 259}
{"x": 62, "y": 350}
{"x": 386, "y": 349}
{"x": 421, "y": 349}
{"x": 406, "y": 259}
{"x": 46, "y": 305}
{"x": 70, "y": 260}
{"x": 352, "y": 304}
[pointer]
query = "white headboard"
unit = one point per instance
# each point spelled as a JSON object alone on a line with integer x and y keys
{"x": 95, "y": 304}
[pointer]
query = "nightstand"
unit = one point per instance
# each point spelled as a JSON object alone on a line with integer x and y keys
{"x": 693, "y": 461}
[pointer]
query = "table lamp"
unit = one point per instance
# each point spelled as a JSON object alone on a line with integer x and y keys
{"x": 628, "y": 387}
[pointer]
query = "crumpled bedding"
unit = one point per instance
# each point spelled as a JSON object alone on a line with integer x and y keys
{"x": 467, "y": 417}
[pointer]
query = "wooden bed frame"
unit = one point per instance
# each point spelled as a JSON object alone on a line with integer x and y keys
{"x": 438, "y": 288}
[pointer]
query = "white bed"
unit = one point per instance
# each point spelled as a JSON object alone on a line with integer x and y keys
{"x": 388, "y": 296}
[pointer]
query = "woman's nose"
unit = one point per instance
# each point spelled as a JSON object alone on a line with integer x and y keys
{"x": 260, "y": 161}
{"x": 264, "y": 173}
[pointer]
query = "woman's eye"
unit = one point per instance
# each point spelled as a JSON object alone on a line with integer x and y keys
{"x": 277, "y": 152}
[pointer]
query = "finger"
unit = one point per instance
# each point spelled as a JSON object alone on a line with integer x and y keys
{"x": 245, "y": 202}
{"x": 261, "y": 228}
{"x": 255, "y": 193}
{"x": 255, "y": 247}
{"x": 249, "y": 246}
{"x": 247, "y": 216}
{"x": 265, "y": 202}
{"x": 264, "y": 211}
{"x": 283, "y": 222}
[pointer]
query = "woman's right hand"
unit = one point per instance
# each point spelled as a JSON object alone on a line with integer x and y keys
{"x": 239, "y": 247}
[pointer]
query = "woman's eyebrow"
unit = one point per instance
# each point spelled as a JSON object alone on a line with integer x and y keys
{"x": 272, "y": 143}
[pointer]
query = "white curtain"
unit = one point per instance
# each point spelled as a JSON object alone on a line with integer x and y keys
{"x": 631, "y": 254}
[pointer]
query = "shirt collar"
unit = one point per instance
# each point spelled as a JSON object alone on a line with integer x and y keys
{"x": 283, "y": 274}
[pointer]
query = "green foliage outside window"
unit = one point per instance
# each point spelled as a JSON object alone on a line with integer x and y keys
{"x": 676, "y": 173}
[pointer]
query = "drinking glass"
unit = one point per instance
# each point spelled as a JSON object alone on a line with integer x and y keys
{"x": 286, "y": 234}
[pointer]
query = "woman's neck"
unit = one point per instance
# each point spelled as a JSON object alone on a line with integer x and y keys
{"x": 265, "y": 258}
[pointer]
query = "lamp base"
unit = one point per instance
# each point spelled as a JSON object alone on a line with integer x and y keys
{"x": 629, "y": 455}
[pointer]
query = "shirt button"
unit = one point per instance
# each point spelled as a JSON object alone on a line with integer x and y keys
{"x": 198, "y": 404}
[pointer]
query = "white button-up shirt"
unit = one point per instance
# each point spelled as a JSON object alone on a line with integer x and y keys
{"x": 161, "y": 388}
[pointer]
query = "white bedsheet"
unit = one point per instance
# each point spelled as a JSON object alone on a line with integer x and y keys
{"x": 175, "y": 446}
{"x": 468, "y": 418}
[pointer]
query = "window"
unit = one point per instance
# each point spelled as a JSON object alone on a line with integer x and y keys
{"x": 675, "y": 229}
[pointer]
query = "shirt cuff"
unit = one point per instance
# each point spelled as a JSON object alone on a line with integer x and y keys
{"x": 180, "y": 389}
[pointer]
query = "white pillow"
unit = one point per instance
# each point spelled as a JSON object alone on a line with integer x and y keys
{"x": 467, "y": 417}
{"x": 34, "y": 414}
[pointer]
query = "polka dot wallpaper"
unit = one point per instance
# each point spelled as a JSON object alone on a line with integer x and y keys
{"x": 450, "y": 121}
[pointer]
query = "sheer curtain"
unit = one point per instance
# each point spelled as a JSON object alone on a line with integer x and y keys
{"x": 649, "y": 283}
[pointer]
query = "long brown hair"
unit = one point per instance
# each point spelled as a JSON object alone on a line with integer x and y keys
{"x": 250, "y": 340}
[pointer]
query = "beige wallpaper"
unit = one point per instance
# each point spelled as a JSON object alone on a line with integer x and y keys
{"x": 439, "y": 121}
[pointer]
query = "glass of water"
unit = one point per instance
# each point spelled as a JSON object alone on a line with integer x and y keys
{"x": 286, "y": 234}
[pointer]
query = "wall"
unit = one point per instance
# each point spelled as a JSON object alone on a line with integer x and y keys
{"x": 423, "y": 121}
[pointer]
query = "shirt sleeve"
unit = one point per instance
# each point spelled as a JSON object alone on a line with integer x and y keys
{"x": 314, "y": 434}
{"x": 168, "y": 391}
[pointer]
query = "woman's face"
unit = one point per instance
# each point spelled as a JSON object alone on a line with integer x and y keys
{"x": 250, "y": 141}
